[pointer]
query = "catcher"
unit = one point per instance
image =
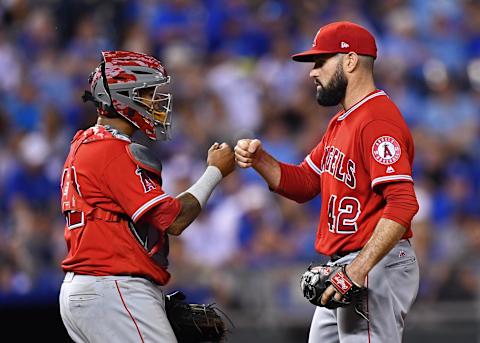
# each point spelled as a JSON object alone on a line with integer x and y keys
{"x": 363, "y": 169}
{"x": 118, "y": 218}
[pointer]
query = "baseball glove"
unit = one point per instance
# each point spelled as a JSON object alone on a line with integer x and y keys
{"x": 317, "y": 279}
{"x": 194, "y": 323}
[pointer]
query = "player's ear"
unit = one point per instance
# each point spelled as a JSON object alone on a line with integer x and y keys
{"x": 350, "y": 62}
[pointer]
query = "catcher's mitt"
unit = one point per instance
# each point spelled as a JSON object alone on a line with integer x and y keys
{"x": 194, "y": 323}
{"x": 317, "y": 279}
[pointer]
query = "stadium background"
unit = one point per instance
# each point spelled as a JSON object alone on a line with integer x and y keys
{"x": 232, "y": 77}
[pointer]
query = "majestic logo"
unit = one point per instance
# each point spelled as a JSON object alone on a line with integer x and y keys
{"x": 386, "y": 150}
{"x": 146, "y": 181}
{"x": 390, "y": 170}
{"x": 344, "y": 45}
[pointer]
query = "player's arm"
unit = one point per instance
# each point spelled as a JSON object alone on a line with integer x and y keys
{"x": 399, "y": 211}
{"x": 220, "y": 163}
{"x": 297, "y": 183}
{"x": 386, "y": 235}
{"x": 189, "y": 210}
{"x": 250, "y": 153}
{"x": 132, "y": 180}
{"x": 401, "y": 206}
{"x": 173, "y": 215}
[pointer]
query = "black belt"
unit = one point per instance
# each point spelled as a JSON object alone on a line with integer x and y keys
{"x": 126, "y": 274}
{"x": 339, "y": 255}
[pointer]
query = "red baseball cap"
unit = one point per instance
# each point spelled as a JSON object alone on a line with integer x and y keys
{"x": 340, "y": 37}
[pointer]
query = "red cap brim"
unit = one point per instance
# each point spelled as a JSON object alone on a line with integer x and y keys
{"x": 310, "y": 55}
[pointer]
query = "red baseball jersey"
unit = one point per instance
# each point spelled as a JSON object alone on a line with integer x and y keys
{"x": 105, "y": 193}
{"x": 363, "y": 147}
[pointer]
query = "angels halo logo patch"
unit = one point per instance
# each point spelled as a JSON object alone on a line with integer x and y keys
{"x": 386, "y": 150}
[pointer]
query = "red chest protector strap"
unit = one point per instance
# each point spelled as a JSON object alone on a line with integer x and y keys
{"x": 74, "y": 207}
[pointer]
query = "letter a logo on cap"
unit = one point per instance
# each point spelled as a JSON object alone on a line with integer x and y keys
{"x": 314, "y": 44}
{"x": 339, "y": 37}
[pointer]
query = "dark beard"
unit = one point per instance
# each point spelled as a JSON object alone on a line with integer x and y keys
{"x": 335, "y": 90}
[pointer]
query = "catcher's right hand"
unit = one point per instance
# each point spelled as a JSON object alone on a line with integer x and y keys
{"x": 222, "y": 157}
{"x": 317, "y": 279}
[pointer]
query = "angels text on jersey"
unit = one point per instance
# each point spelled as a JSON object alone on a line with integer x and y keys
{"x": 336, "y": 164}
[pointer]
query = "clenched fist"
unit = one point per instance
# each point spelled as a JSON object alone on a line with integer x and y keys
{"x": 247, "y": 152}
{"x": 221, "y": 156}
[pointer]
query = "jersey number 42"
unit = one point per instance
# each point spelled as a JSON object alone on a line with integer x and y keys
{"x": 343, "y": 214}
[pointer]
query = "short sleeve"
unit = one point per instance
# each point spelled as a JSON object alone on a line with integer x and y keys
{"x": 164, "y": 214}
{"x": 134, "y": 189}
{"x": 387, "y": 151}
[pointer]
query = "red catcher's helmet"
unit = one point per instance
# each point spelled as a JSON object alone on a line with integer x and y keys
{"x": 129, "y": 84}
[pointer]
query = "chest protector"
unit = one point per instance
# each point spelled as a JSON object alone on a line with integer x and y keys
{"x": 77, "y": 211}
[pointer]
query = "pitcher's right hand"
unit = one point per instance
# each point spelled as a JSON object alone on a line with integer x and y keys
{"x": 247, "y": 152}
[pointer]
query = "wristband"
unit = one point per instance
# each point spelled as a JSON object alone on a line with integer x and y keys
{"x": 203, "y": 188}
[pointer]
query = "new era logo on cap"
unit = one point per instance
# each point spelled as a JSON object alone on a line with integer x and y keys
{"x": 344, "y": 45}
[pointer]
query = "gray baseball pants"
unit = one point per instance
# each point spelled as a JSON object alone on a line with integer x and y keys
{"x": 392, "y": 288}
{"x": 101, "y": 309}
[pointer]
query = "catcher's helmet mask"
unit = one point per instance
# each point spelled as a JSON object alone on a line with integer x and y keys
{"x": 88, "y": 96}
{"x": 123, "y": 76}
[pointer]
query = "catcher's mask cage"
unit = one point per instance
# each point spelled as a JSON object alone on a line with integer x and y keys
{"x": 132, "y": 85}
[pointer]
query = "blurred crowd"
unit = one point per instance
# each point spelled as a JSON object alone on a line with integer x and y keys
{"x": 233, "y": 78}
